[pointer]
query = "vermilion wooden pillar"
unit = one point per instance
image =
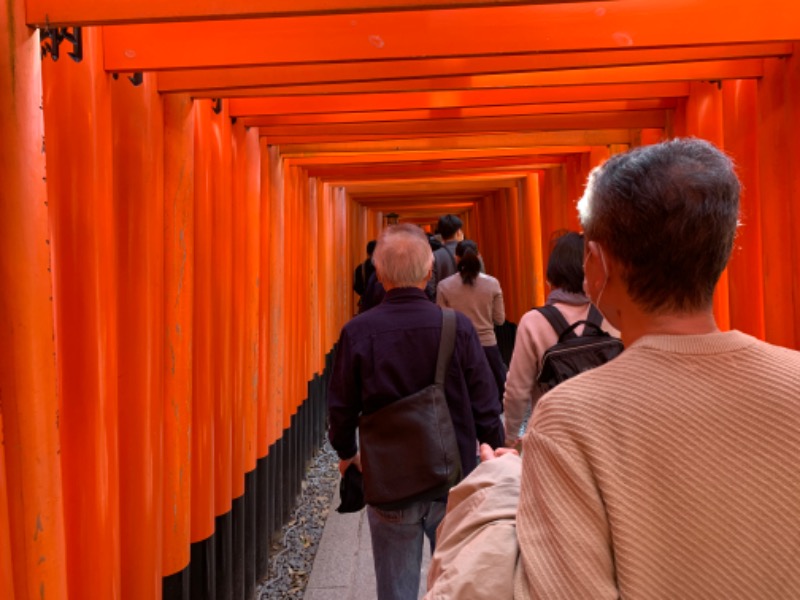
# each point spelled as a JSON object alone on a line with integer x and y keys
{"x": 315, "y": 316}
{"x": 203, "y": 563}
{"x": 221, "y": 269}
{"x": 179, "y": 174}
{"x": 277, "y": 336}
{"x": 704, "y": 119}
{"x": 264, "y": 428}
{"x": 531, "y": 219}
{"x": 6, "y": 566}
{"x": 32, "y": 546}
{"x": 250, "y": 342}
{"x": 77, "y": 116}
{"x": 745, "y": 272}
{"x": 138, "y": 144}
{"x": 514, "y": 286}
{"x": 778, "y": 186}
{"x": 237, "y": 328}
{"x": 326, "y": 232}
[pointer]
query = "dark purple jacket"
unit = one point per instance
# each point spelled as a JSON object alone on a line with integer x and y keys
{"x": 390, "y": 352}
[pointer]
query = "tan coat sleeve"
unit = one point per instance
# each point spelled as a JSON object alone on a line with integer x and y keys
{"x": 476, "y": 544}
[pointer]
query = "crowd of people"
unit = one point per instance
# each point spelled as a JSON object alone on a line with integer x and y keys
{"x": 668, "y": 472}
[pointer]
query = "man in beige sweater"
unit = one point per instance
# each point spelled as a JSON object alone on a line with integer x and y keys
{"x": 673, "y": 471}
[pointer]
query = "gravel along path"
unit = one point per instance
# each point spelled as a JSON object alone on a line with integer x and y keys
{"x": 292, "y": 554}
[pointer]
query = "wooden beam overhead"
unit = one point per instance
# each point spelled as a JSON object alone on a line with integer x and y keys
{"x": 690, "y": 71}
{"x": 324, "y": 156}
{"x": 461, "y": 113}
{"x": 248, "y": 107}
{"x": 224, "y": 79}
{"x": 527, "y": 141}
{"x": 583, "y": 26}
{"x": 41, "y": 13}
{"x": 638, "y": 119}
{"x": 352, "y": 172}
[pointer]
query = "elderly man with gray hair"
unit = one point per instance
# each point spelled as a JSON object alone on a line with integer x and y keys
{"x": 388, "y": 353}
{"x": 670, "y": 471}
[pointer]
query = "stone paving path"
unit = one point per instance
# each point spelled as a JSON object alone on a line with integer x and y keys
{"x": 343, "y": 568}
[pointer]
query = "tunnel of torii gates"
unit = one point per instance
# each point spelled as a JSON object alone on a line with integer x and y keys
{"x": 187, "y": 187}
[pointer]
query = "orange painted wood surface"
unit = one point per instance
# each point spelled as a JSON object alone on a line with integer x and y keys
{"x": 88, "y": 12}
{"x": 222, "y": 298}
{"x": 77, "y": 106}
{"x": 690, "y": 71}
{"x": 265, "y": 402}
{"x": 382, "y": 36}
{"x": 253, "y": 285}
{"x": 438, "y": 100}
{"x": 138, "y": 177}
{"x": 203, "y": 347}
{"x": 745, "y": 272}
{"x": 6, "y": 559}
{"x": 32, "y": 529}
{"x": 179, "y": 177}
{"x": 777, "y": 169}
{"x": 228, "y": 80}
{"x": 277, "y": 318}
{"x": 238, "y": 203}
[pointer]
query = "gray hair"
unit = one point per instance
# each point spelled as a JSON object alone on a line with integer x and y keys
{"x": 668, "y": 213}
{"x": 403, "y": 256}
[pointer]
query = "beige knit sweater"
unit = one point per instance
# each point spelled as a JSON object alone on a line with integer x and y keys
{"x": 482, "y": 302}
{"x": 672, "y": 472}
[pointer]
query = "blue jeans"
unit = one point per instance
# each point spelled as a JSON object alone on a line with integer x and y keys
{"x": 397, "y": 538}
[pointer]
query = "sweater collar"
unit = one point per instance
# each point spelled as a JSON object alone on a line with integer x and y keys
{"x": 708, "y": 343}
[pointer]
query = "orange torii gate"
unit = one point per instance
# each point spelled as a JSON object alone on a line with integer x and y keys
{"x": 185, "y": 198}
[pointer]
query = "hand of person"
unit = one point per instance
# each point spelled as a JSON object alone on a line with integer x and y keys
{"x": 487, "y": 453}
{"x": 355, "y": 460}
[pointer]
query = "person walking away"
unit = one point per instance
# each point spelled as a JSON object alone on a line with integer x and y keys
{"x": 362, "y": 274}
{"x": 480, "y": 297}
{"x": 535, "y": 335}
{"x": 450, "y": 229}
{"x": 670, "y": 471}
{"x": 386, "y": 354}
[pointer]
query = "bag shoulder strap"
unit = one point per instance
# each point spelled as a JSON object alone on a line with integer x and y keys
{"x": 595, "y": 316}
{"x": 555, "y": 318}
{"x": 452, "y": 257}
{"x": 446, "y": 343}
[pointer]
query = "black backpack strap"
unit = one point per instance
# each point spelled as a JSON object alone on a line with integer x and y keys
{"x": 556, "y": 319}
{"x": 446, "y": 343}
{"x": 595, "y": 317}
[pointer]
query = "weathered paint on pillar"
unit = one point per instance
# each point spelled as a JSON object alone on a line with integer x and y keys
{"x": 202, "y": 453}
{"x": 138, "y": 150}
{"x": 78, "y": 125}
{"x": 31, "y": 499}
{"x": 179, "y": 177}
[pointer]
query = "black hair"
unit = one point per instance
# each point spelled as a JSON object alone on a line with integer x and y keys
{"x": 371, "y": 247}
{"x": 448, "y": 226}
{"x": 565, "y": 267}
{"x": 469, "y": 265}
